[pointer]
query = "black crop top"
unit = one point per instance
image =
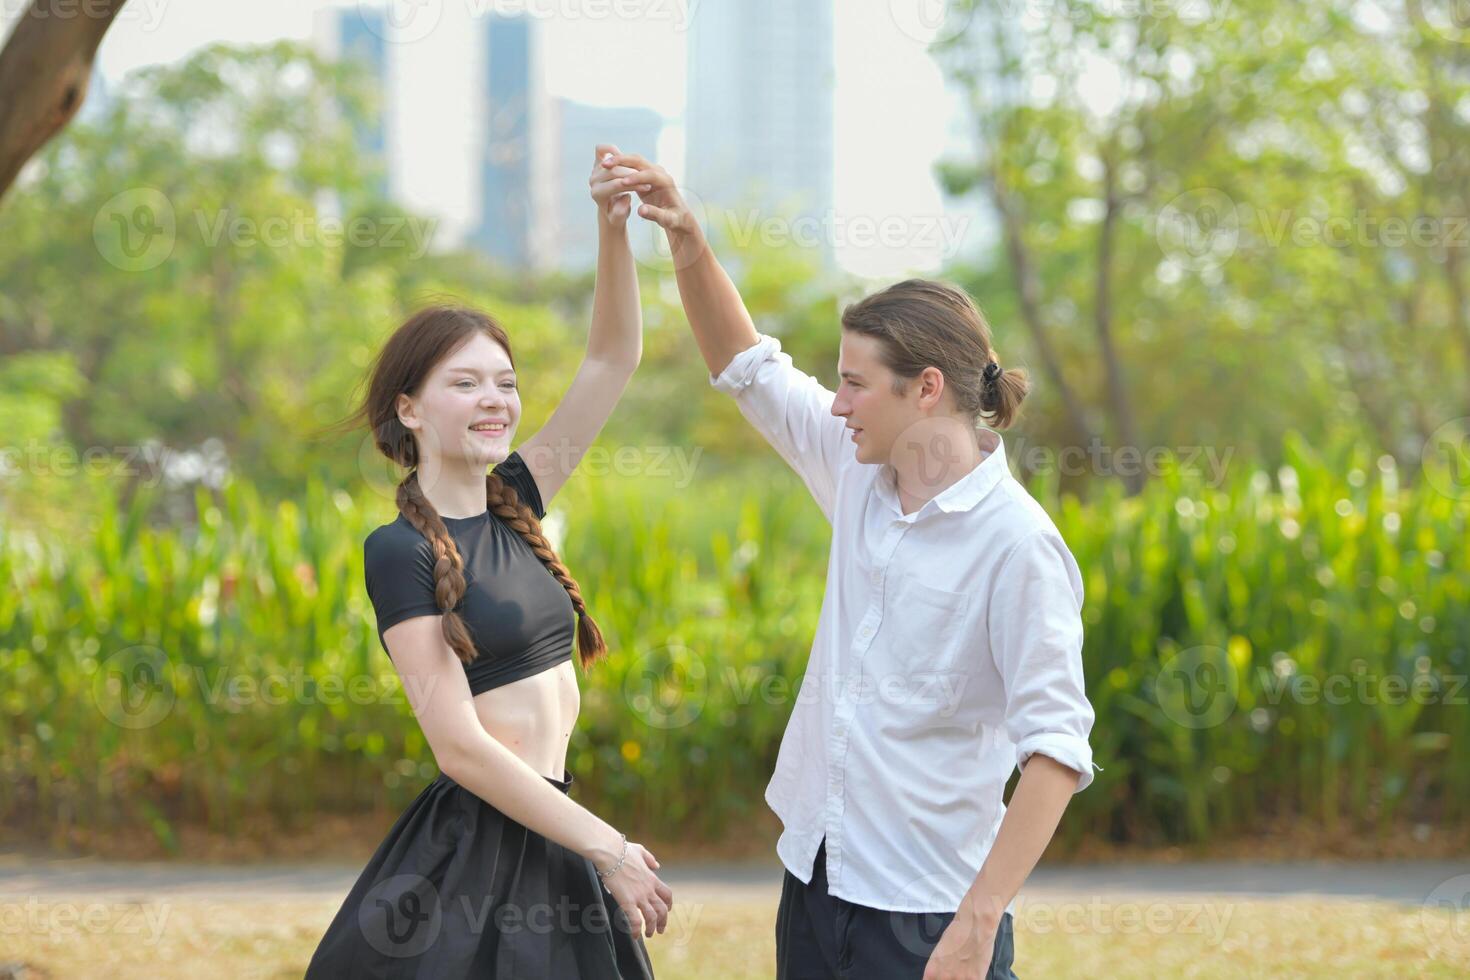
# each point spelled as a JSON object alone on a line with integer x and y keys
{"x": 518, "y": 614}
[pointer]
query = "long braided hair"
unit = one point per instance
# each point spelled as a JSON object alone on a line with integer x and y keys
{"x": 401, "y": 367}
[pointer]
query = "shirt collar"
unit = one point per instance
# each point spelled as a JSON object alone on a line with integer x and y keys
{"x": 965, "y": 492}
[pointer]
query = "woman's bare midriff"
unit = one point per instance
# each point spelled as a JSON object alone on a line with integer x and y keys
{"x": 534, "y": 717}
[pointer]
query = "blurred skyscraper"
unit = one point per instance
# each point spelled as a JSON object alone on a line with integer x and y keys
{"x": 759, "y": 116}
{"x": 517, "y": 192}
{"x": 357, "y": 34}
{"x": 580, "y": 128}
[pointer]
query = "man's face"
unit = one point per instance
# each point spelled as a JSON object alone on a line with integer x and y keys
{"x": 874, "y": 413}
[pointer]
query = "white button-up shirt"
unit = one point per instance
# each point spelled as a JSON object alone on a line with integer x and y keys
{"x": 948, "y": 650}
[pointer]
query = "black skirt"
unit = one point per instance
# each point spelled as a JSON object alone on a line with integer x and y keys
{"x": 458, "y": 889}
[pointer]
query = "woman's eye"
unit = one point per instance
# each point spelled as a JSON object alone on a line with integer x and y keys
{"x": 509, "y": 386}
{"x": 465, "y": 382}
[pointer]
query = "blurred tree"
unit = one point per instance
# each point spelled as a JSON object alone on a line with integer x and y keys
{"x": 45, "y": 68}
{"x": 1197, "y": 203}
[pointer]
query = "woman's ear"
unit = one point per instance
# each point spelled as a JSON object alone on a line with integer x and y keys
{"x": 405, "y": 408}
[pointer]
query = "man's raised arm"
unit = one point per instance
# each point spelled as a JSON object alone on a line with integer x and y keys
{"x": 721, "y": 324}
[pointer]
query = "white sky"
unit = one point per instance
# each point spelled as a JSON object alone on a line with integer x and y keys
{"x": 892, "y": 113}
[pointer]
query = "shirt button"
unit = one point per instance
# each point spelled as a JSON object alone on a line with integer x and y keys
{"x": 877, "y": 577}
{"x": 866, "y": 631}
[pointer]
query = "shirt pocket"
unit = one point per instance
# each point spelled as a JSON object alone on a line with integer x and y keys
{"x": 925, "y": 628}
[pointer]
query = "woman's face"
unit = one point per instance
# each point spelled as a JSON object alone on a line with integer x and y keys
{"x": 468, "y": 407}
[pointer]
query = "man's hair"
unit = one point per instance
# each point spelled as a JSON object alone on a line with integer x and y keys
{"x": 921, "y": 323}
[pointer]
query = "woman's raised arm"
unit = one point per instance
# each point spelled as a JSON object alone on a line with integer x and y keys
{"x": 614, "y": 340}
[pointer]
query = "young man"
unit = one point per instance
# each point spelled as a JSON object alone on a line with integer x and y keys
{"x": 948, "y": 649}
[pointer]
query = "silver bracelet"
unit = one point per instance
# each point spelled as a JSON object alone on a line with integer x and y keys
{"x": 609, "y": 874}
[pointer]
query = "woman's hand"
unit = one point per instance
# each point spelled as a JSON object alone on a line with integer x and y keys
{"x": 644, "y": 899}
{"x": 661, "y": 203}
{"x": 614, "y": 198}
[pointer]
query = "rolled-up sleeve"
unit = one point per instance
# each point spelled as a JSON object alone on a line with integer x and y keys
{"x": 1035, "y": 634}
{"x": 792, "y": 410}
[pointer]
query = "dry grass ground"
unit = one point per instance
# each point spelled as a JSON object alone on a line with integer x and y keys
{"x": 718, "y": 939}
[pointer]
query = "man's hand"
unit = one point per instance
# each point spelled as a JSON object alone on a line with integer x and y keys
{"x": 614, "y": 198}
{"x": 662, "y": 203}
{"x": 965, "y": 949}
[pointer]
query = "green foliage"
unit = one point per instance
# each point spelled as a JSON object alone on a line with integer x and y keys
{"x": 163, "y": 674}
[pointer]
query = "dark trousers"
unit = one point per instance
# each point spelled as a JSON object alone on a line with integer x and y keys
{"x": 819, "y": 937}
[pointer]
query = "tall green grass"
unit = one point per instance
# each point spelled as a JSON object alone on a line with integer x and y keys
{"x": 133, "y": 650}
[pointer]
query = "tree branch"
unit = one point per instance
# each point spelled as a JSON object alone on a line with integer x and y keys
{"x": 44, "y": 71}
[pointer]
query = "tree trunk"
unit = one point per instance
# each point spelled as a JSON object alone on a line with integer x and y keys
{"x": 1029, "y": 293}
{"x": 1119, "y": 404}
{"x": 44, "y": 70}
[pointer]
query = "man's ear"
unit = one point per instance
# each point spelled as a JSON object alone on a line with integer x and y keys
{"x": 931, "y": 387}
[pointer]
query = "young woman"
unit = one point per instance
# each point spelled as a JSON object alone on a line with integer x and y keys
{"x": 493, "y": 871}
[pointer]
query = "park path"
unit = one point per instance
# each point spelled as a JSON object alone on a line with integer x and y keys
{"x": 1397, "y": 881}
